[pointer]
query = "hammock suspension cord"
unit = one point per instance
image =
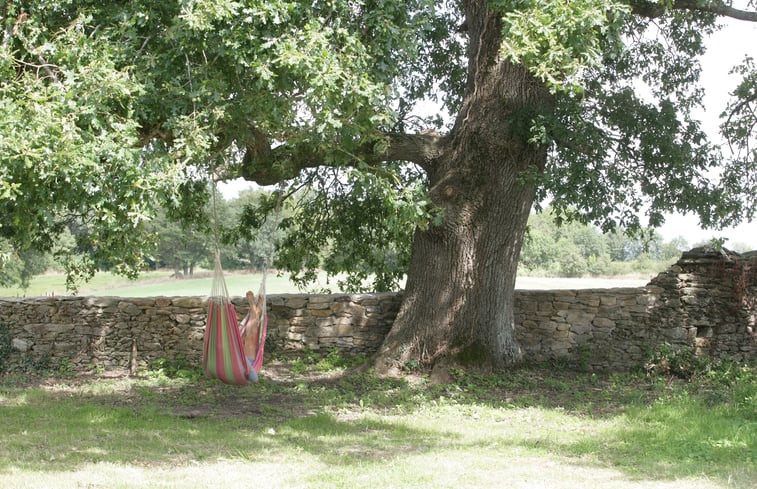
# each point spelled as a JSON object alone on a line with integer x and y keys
{"x": 223, "y": 350}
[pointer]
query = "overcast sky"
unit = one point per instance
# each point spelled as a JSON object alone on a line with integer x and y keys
{"x": 726, "y": 48}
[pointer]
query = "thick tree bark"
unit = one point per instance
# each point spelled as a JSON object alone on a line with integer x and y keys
{"x": 458, "y": 299}
{"x": 459, "y": 294}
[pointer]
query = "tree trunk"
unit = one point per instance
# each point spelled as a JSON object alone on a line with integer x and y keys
{"x": 458, "y": 299}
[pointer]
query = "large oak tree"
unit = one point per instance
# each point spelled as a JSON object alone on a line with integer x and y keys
{"x": 111, "y": 108}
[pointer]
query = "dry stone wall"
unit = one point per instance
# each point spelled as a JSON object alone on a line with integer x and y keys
{"x": 113, "y": 332}
{"x": 706, "y": 301}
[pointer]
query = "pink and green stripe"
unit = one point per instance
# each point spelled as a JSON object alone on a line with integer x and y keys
{"x": 223, "y": 352}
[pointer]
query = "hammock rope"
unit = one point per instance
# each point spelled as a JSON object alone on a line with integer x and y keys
{"x": 223, "y": 355}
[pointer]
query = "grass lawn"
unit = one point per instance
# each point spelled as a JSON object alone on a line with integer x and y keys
{"x": 313, "y": 423}
{"x": 158, "y": 283}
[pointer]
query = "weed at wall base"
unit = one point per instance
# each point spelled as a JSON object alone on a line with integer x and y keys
{"x": 6, "y": 346}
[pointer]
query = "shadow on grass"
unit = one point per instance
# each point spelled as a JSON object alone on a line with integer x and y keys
{"x": 44, "y": 431}
{"x": 366, "y": 420}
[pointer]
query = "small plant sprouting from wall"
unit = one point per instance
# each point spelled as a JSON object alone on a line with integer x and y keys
{"x": 743, "y": 276}
{"x": 6, "y": 345}
{"x": 680, "y": 362}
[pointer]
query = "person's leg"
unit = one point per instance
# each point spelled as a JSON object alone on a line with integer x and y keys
{"x": 253, "y": 377}
{"x": 252, "y": 329}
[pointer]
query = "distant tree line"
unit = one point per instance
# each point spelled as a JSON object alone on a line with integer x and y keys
{"x": 568, "y": 249}
{"x": 182, "y": 245}
{"x": 573, "y": 249}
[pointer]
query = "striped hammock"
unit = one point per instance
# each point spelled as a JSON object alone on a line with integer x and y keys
{"x": 223, "y": 355}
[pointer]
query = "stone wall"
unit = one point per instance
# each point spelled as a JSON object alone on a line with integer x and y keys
{"x": 604, "y": 329}
{"x": 705, "y": 301}
{"x": 113, "y": 332}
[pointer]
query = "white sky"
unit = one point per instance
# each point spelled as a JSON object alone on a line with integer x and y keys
{"x": 727, "y": 48}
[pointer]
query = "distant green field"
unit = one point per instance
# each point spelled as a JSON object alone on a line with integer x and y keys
{"x": 55, "y": 284}
{"x": 157, "y": 284}
{"x": 160, "y": 283}
{"x": 237, "y": 284}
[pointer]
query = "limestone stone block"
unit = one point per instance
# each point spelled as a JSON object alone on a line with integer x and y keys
{"x": 581, "y": 318}
{"x": 296, "y": 301}
{"x": 581, "y": 328}
{"x": 600, "y": 322}
{"x": 320, "y": 301}
{"x": 21, "y": 345}
{"x": 182, "y": 318}
{"x": 101, "y": 302}
{"x": 129, "y": 308}
{"x": 188, "y": 302}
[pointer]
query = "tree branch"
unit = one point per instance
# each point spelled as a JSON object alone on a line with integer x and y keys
{"x": 654, "y": 10}
{"x": 268, "y": 166}
{"x": 422, "y": 148}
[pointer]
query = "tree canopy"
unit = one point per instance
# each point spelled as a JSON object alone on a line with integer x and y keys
{"x": 109, "y": 108}
{"x": 106, "y": 104}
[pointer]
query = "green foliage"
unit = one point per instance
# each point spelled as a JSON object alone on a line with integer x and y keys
{"x": 356, "y": 222}
{"x": 181, "y": 246}
{"x": 45, "y": 365}
{"x": 69, "y": 152}
{"x": 19, "y": 268}
{"x": 107, "y": 105}
{"x": 739, "y": 121}
{"x": 175, "y": 368}
{"x": 573, "y": 249}
{"x": 6, "y": 346}
{"x": 620, "y": 159}
{"x": 111, "y": 111}
{"x": 681, "y": 362}
{"x": 572, "y": 263}
{"x": 560, "y": 40}
{"x": 716, "y": 380}
{"x": 251, "y": 229}
{"x": 332, "y": 360}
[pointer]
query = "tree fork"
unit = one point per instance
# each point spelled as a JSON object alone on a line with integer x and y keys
{"x": 458, "y": 301}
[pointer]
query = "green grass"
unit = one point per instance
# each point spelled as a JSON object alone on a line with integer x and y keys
{"x": 55, "y": 284}
{"x": 157, "y": 283}
{"x": 160, "y": 283}
{"x": 312, "y": 423}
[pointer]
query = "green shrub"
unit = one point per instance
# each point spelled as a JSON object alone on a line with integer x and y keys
{"x": 682, "y": 362}
{"x": 6, "y": 345}
{"x": 331, "y": 360}
{"x": 176, "y": 368}
{"x": 38, "y": 365}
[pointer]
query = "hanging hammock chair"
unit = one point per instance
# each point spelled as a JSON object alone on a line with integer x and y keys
{"x": 223, "y": 354}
